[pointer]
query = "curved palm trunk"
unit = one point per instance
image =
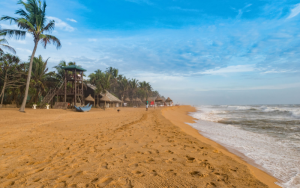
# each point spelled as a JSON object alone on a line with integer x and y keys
{"x": 22, "y": 109}
{"x": 2, "y": 93}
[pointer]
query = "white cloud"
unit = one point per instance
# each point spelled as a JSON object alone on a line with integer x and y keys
{"x": 229, "y": 69}
{"x": 71, "y": 20}
{"x": 61, "y": 24}
{"x": 92, "y": 40}
{"x": 295, "y": 11}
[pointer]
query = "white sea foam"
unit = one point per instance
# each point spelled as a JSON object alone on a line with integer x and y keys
{"x": 279, "y": 156}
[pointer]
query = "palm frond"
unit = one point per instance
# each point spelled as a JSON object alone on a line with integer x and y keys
{"x": 45, "y": 39}
{"x": 8, "y": 18}
{"x": 8, "y": 48}
{"x": 12, "y": 32}
{"x": 23, "y": 13}
{"x": 49, "y": 27}
{"x": 3, "y": 41}
{"x": 25, "y": 24}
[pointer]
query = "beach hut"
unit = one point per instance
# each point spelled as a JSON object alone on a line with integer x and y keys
{"x": 159, "y": 101}
{"x": 90, "y": 98}
{"x": 169, "y": 101}
{"x": 105, "y": 99}
{"x": 114, "y": 101}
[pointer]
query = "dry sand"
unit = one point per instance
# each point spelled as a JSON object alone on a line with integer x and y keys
{"x": 133, "y": 148}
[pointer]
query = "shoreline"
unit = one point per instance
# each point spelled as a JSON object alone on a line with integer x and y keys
{"x": 181, "y": 121}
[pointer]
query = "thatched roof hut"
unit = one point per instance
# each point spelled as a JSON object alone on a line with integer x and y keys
{"x": 159, "y": 99}
{"x": 90, "y": 98}
{"x": 111, "y": 97}
{"x": 105, "y": 98}
{"x": 169, "y": 100}
{"x": 127, "y": 100}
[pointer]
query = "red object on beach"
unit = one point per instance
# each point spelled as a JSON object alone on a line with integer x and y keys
{"x": 152, "y": 103}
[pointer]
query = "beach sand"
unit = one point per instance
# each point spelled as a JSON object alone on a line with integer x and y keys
{"x": 132, "y": 148}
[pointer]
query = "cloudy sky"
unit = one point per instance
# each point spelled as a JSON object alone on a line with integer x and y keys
{"x": 196, "y": 52}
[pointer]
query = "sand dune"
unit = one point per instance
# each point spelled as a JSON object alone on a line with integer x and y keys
{"x": 133, "y": 148}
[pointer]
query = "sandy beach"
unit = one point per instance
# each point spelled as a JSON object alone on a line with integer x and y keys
{"x": 132, "y": 148}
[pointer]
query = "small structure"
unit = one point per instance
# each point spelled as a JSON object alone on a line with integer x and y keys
{"x": 112, "y": 100}
{"x": 90, "y": 98}
{"x": 105, "y": 99}
{"x": 169, "y": 101}
{"x": 69, "y": 90}
{"x": 34, "y": 106}
{"x": 159, "y": 101}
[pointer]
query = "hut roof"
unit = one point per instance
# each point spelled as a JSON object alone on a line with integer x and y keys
{"x": 104, "y": 98}
{"x": 158, "y": 99}
{"x": 138, "y": 100}
{"x": 127, "y": 100}
{"x": 90, "y": 98}
{"x": 169, "y": 100}
{"x": 73, "y": 67}
{"x": 110, "y": 96}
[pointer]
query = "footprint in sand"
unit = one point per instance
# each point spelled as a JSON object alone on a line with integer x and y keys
{"x": 190, "y": 159}
{"x": 104, "y": 181}
{"x": 138, "y": 173}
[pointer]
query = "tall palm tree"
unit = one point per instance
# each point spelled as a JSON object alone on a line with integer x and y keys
{"x": 4, "y": 45}
{"x": 33, "y": 21}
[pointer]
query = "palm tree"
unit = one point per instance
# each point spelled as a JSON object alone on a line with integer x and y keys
{"x": 41, "y": 79}
{"x": 102, "y": 82}
{"x": 4, "y": 45}
{"x": 33, "y": 21}
{"x": 146, "y": 87}
{"x": 133, "y": 87}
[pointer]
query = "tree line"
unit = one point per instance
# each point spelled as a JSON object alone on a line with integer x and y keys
{"x": 18, "y": 80}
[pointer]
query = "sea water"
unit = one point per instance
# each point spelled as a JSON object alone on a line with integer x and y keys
{"x": 269, "y": 135}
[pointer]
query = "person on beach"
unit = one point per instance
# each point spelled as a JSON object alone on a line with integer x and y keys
{"x": 146, "y": 107}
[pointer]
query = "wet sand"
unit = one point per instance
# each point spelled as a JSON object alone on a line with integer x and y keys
{"x": 132, "y": 148}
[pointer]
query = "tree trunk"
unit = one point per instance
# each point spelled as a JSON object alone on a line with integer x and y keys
{"x": 3, "y": 89}
{"x": 22, "y": 109}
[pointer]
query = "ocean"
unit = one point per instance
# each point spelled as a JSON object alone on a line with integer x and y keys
{"x": 269, "y": 135}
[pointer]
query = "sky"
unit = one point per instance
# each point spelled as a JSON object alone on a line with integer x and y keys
{"x": 195, "y": 52}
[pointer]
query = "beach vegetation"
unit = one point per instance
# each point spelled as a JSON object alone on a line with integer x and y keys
{"x": 32, "y": 20}
{"x": 12, "y": 73}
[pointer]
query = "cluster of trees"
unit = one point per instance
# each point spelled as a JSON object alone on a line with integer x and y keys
{"x": 120, "y": 86}
{"x": 17, "y": 80}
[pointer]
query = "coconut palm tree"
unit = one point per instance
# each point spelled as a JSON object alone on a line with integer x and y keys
{"x": 4, "y": 45}
{"x": 33, "y": 21}
{"x": 146, "y": 87}
{"x": 41, "y": 79}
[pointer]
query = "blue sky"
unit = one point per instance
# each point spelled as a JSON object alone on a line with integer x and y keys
{"x": 196, "y": 52}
